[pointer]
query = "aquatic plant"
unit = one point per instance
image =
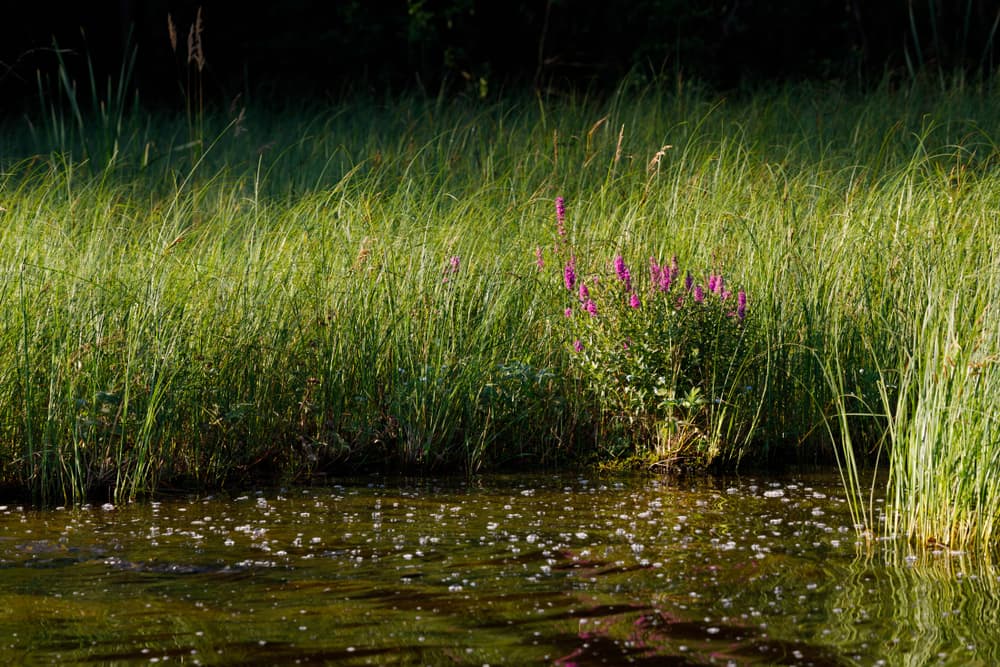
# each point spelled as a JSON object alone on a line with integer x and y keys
{"x": 667, "y": 368}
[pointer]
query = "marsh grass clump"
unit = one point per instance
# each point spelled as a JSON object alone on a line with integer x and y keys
{"x": 379, "y": 283}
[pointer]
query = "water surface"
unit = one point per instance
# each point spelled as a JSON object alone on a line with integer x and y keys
{"x": 503, "y": 570}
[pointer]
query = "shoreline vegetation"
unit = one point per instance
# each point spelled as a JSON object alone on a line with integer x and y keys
{"x": 231, "y": 296}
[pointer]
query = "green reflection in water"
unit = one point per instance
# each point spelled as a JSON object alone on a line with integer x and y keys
{"x": 516, "y": 570}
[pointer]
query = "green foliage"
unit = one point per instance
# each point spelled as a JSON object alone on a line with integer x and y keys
{"x": 286, "y": 304}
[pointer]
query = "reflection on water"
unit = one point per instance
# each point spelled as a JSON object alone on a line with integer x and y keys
{"x": 505, "y": 570}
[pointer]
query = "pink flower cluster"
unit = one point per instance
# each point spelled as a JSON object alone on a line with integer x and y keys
{"x": 662, "y": 279}
{"x": 454, "y": 264}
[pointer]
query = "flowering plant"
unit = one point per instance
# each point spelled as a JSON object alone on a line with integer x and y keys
{"x": 661, "y": 351}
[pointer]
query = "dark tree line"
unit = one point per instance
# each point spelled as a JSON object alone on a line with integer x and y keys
{"x": 481, "y": 46}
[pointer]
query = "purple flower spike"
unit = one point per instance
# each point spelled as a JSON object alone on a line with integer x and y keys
{"x": 539, "y": 258}
{"x": 453, "y": 264}
{"x": 561, "y": 216}
{"x": 655, "y": 271}
{"x": 688, "y": 281}
{"x": 590, "y": 307}
{"x": 624, "y": 275}
{"x": 577, "y": 345}
{"x": 568, "y": 312}
{"x": 666, "y": 279}
{"x": 699, "y": 294}
{"x": 741, "y": 305}
{"x": 620, "y": 269}
{"x": 569, "y": 276}
{"x": 584, "y": 292}
{"x": 633, "y": 300}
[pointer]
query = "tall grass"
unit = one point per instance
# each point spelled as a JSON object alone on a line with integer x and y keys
{"x": 356, "y": 285}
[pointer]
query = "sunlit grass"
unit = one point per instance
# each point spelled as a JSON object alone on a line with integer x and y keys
{"x": 278, "y": 299}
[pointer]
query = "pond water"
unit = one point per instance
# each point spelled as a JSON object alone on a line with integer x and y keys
{"x": 501, "y": 570}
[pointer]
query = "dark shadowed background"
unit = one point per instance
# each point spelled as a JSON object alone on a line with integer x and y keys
{"x": 295, "y": 47}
